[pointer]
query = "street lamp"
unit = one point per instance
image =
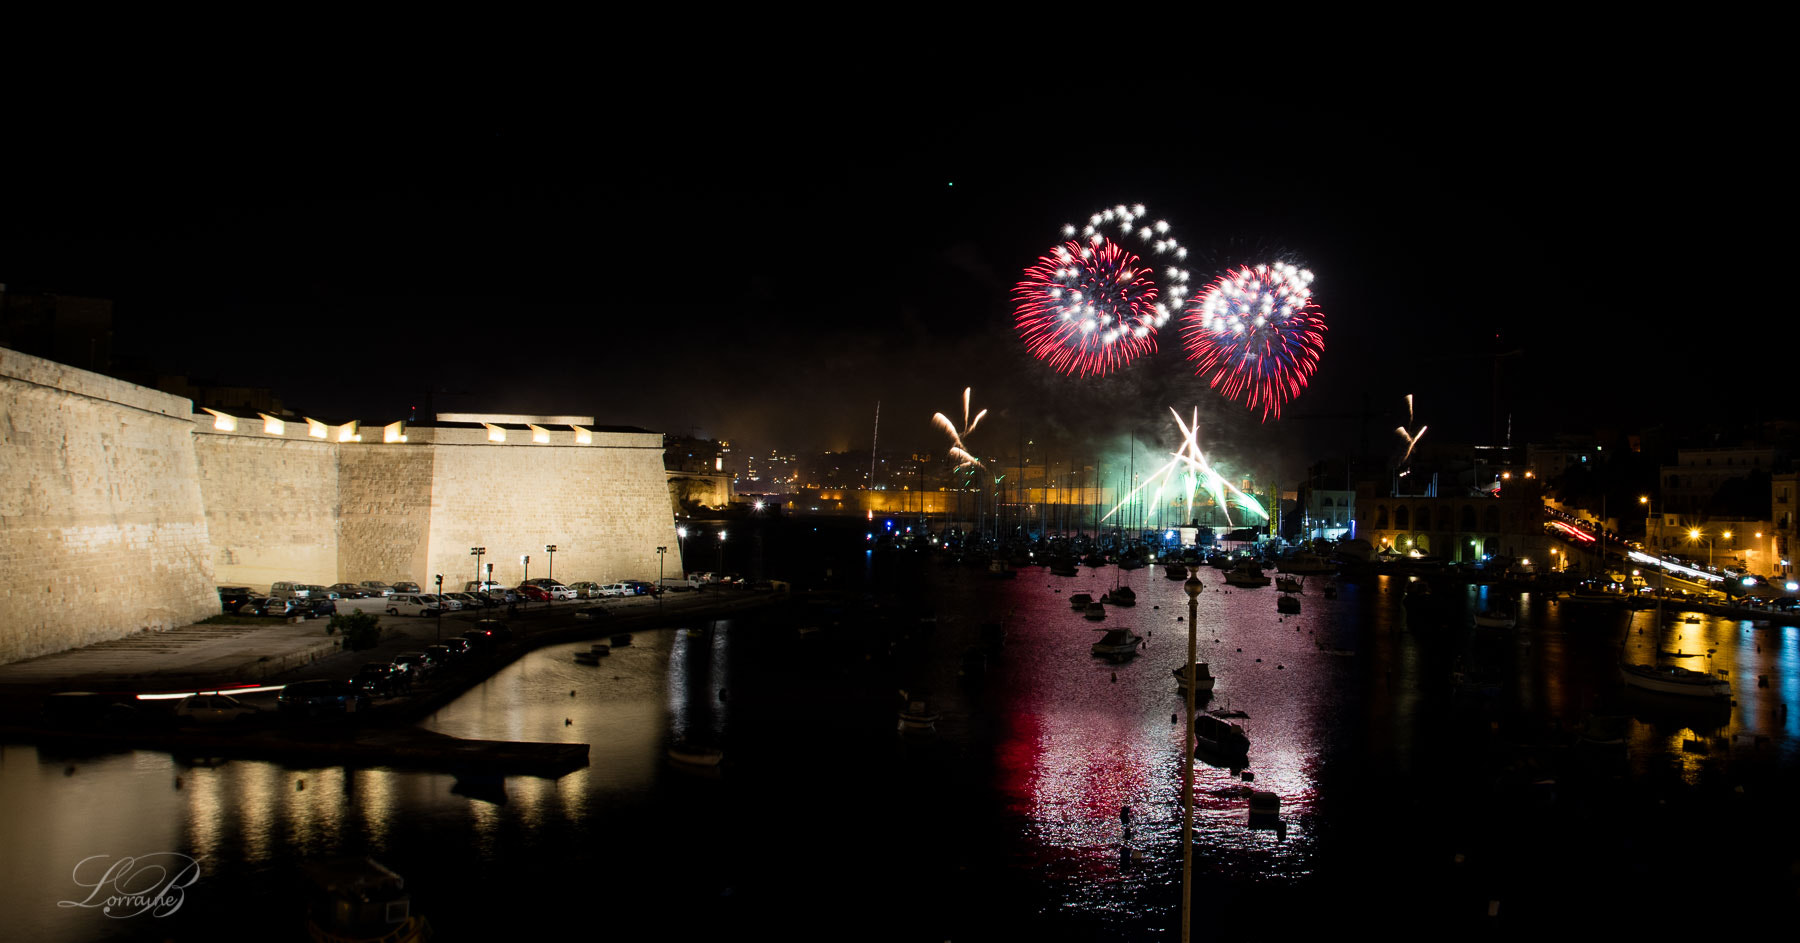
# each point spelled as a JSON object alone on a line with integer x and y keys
{"x": 1193, "y": 587}
{"x": 659, "y": 572}
{"x": 524, "y": 568}
{"x": 721, "y": 570}
{"x": 551, "y": 550}
{"x": 476, "y": 552}
{"x": 439, "y": 633}
{"x": 1644, "y": 500}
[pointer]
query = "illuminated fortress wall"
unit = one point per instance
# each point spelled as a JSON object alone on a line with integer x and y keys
{"x": 286, "y": 506}
{"x": 102, "y": 527}
{"x": 122, "y": 509}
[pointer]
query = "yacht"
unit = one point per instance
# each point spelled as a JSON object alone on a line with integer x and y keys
{"x": 1219, "y": 739}
{"x": 1246, "y": 574}
{"x": 1675, "y": 680}
{"x": 1117, "y": 645}
{"x": 1206, "y": 680}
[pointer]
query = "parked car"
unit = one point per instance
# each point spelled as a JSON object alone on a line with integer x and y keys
{"x": 376, "y": 588}
{"x": 406, "y": 588}
{"x": 417, "y": 665}
{"x": 469, "y": 600}
{"x": 214, "y": 709}
{"x": 586, "y": 589}
{"x": 289, "y": 588}
{"x": 504, "y": 596}
{"x": 493, "y": 629}
{"x": 349, "y": 591}
{"x": 615, "y": 589}
{"x": 458, "y": 646}
{"x": 533, "y": 592}
{"x": 280, "y": 606}
{"x": 441, "y": 656}
{"x": 681, "y": 584}
{"x": 640, "y": 587}
{"x": 408, "y": 604}
{"x": 321, "y": 697}
{"x": 318, "y": 607}
{"x": 555, "y": 589}
{"x": 482, "y": 586}
{"x": 380, "y": 679}
{"x": 232, "y": 598}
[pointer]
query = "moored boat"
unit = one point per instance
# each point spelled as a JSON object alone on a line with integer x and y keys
{"x": 1246, "y": 575}
{"x": 694, "y": 754}
{"x": 358, "y": 900}
{"x": 916, "y": 716}
{"x": 1498, "y": 617}
{"x": 1080, "y": 601}
{"x": 1201, "y": 672}
{"x": 1176, "y": 571}
{"x": 586, "y": 658}
{"x": 1117, "y": 645}
{"x": 1288, "y": 584}
{"x": 1219, "y": 739}
{"x": 1675, "y": 680}
{"x": 1095, "y": 611}
{"x": 1288, "y": 605}
{"x": 1121, "y": 596}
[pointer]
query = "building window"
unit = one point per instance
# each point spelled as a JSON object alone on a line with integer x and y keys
{"x": 1402, "y": 518}
{"x": 1424, "y": 518}
{"x": 1381, "y": 522}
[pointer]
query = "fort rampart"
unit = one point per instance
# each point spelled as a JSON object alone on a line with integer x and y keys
{"x": 122, "y": 508}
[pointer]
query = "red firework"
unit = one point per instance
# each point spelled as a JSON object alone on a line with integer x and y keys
{"x": 1256, "y": 334}
{"x": 1088, "y": 308}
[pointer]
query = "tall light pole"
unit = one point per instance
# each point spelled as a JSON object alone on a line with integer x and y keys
{"x": 524, "y": 568}
{"x": 681, "y": 548}
{"x": 439, "y": 634}
{"x": 551, "y": 550}
{"x": 476, "y": 552}
{"x": 659, "y": 573}
{"x": 721, "y": 570}
{"x": 1649, "y": 544}
{"x": 1193, "y": 587}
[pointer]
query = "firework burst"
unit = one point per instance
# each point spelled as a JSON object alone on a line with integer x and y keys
{"x": 1256, "y": 334}
{"x": 1091, "y": 304}
{"x": 958, "y": 450}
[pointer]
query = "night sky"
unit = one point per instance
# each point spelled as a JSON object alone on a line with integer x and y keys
{"x": 768, "y": 272}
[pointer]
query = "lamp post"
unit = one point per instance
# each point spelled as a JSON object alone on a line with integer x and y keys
{"x": 1193, "y": 587}
{"x": 659, "y": 574}
{"x": 721, "y": 570}
{"x": 524, "y": 568}
{"x": 476, "y": 552}
{"x": 439, "y": 636}
{"x": 681, "y": 548}
{"x": 551, "y": 550}
{"x": 1649, "y": 544}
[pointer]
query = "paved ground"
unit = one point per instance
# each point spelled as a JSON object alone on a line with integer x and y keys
{"x": 198, "y": 655}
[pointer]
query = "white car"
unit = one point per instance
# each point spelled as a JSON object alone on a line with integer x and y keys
{"x": 213, "y": 709}
{"x": 615, "y": 589}
{"x": 560, "y": 591}
{"x": 409, "y": 604}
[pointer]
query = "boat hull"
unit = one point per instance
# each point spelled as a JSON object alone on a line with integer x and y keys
{"x": 1677, "y": 681}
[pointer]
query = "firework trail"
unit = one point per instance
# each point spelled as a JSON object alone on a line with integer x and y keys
{"x": 1411, "y": 438}
{"x": 958, "y": 450}
{"x": 1257, "y": 334}
{"x": 1091, "y": 305}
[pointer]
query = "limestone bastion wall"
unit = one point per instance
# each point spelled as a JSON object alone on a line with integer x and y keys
{"x": 604, "y": 505}
{"x": 102, "y": 527}
{"x": 285, "y": 506}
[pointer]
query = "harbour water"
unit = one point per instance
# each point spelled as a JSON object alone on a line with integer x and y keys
{"x": 1408, "y": 796}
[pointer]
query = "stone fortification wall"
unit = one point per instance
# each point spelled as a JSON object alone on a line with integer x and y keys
{"x": 271, "y": 505}
{"x": 384, "y": 513}
{"x": 604, "y": 504}
{"x": 102, "y": 527}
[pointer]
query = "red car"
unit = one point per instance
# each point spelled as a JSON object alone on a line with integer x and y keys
{"x": 533, "y": 592}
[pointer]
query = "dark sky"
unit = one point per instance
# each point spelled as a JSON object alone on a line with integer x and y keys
{"x": 769, "y": 271}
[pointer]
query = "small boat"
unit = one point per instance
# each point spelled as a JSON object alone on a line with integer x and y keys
{"x": 1095, "y": 611}
{"x": 1692, "y": 618}
{"x": 1288, "y": 605}
{"x": 1264, "y": 805}
{"x": 694, "y": 754}
{"x": 621, "y": 640}
{"x": 587, "y": 658}
{"x": 1219, "y": 739}
{"x": 1201, "y": 671}
{"x": 358, "y": 900}
{"x": 1246, "y": 575}
{"x": 1080, "y": 601}
{"x": 1063, "y": 566}
{"x": 1121, "y": 596}
{"x": 916, "y": 716}
{"x": 1288, "y": 584}
{"x": 1130, "y": 563}
{"x": 1117, "y": 645}
{"x": 1496, "y": 618}
{"x": 1175, "y": 571}
{"x": 1675, "y": 680}
{"x": 1094, "y": 560}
